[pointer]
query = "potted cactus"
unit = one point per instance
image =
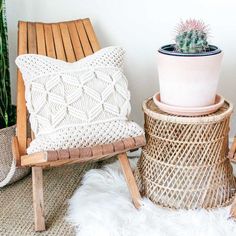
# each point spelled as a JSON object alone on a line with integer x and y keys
{"x": 189, "y": 69}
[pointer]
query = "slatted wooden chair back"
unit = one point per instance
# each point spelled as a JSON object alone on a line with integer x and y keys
{"x": 68, "y": 41}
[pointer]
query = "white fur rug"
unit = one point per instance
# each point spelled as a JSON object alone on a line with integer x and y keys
{"x": 102, "y": 207}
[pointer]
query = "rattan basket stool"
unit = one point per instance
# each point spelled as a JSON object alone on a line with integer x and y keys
{"x": 184, "y": 164}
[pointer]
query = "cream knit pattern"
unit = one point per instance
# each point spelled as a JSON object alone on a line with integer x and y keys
{"x": 78, "y": 104}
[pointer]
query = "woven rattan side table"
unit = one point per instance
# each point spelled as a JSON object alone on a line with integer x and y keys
{"x": 184, "y": 164}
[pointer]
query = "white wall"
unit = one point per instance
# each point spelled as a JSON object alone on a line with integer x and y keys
{"x": 141, "y": 27}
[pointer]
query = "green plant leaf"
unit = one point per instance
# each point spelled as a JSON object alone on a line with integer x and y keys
{"x": 6, "y": 109}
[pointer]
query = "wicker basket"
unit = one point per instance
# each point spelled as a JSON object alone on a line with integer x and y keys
{"x": 8, "y": 171}
{"x": 185, "y": 164}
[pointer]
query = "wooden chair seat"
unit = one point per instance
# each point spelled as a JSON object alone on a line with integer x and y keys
{"x": 68, "y": 41}
{"x": 78, "y": 155}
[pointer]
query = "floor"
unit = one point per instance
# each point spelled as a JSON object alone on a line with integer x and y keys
{"x": 16, "y": 214}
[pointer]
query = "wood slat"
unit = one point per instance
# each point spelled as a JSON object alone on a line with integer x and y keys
{"x": 21, "y": 131}
{"x": 22, "y": 38}
{"x": 85, "y": 152}
{"x": 75, "y": 40}
{"x": 63, "y": 154}
{"x": 91, "y": 35}
{"x": 107, "y": 148}
{"x": 15, "y": 150}
{"x": 52, "y": 156}
{"x": 38, "y": 204}
{"x": 130, "y": 180}
{"x": 83, "y": 38}
{"x": 67, "y": 43}
{"x": 68, "y": 156}
{"x": 119, "y": 146}
{"x": 129, "y": 143}
{"x": 97, "y": 150}
{"x": 40, "y": 159}
{"x": 50, "y": 49}
{"x": 34, "y": 159}
{"x": 58, "y": 42}
{"x": 32, "y": 41}
{"x": 74, "y": 153}
{"x": 140, "y": 140}
{"x": 41, "y": 45}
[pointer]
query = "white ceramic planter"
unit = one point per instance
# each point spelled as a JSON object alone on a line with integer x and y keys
{"x": 189, "y": 81}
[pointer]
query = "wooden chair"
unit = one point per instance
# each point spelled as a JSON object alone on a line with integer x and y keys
{"x": 69, "y": 41}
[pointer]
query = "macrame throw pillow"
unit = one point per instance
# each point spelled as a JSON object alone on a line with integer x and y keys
{"x": 78, "y": 104}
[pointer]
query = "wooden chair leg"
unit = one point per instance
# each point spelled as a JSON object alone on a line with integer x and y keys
{"x": 38, "y": 205}
{"x": 130, "y": 180}
{"x": 233, "y": 210}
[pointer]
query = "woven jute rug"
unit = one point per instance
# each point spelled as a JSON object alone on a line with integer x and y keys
{"x": 16, "y": 213}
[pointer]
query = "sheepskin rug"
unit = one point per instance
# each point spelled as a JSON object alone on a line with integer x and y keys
{"x": 102, "y": 207}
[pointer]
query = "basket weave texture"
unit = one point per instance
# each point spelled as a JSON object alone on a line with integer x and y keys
{"x": 8, "y": 171}
{"x": 184, "y": 164}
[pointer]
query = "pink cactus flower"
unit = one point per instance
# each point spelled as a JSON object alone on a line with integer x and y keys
{"x": 192, "y": 24}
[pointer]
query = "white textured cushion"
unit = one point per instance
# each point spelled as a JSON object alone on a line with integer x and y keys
{"x": 78, "y": 104}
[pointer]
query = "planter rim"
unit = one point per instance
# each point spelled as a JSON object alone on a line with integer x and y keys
{"x": 169, "y": 50}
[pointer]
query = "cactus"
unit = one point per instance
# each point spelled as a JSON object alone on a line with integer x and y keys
{"x": 191, "y": 37}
